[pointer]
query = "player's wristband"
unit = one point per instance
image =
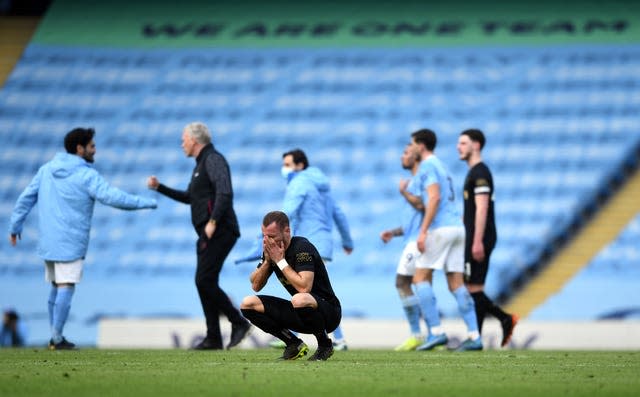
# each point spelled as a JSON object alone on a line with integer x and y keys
{"x": 282, "y": 263}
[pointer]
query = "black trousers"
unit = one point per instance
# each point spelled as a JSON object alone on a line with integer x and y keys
{"x": 211, "y": 256}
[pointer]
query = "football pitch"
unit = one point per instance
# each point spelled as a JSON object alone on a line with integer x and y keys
{"x": 371, "y": 373}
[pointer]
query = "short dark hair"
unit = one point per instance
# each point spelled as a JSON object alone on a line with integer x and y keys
{"x": 12, "y": 315}
{"x": 426, "y": 137}
{"x": 475, "y": 135}
{"x": 78, "y": 136}
{"x": 280, "y": 218}
{"x": 298, "y": 157}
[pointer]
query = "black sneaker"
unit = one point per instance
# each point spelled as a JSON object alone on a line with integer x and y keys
{"x": 322, "y": 354}
{"x": 62, "y": 345}
{"x": 508, "y": 325}
{"x": 238, "y": 332}
{"x": 295, "y": 351}
{"x": 208, "y": 344}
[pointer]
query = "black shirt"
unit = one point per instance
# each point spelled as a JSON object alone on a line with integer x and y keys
{"x": 478, "y": 181}
{"x": 210, "y": 192}
{"x": 303, "y": 256}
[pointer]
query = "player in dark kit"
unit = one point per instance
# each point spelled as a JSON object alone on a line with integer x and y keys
{"x": 480, "y": 228}
{"x": 313, "y": 308}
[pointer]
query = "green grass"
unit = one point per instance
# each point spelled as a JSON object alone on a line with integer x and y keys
{"x": 370, "y": 373}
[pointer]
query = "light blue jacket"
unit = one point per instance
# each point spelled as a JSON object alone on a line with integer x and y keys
{"x": 312, "y": 211}
{"x": 66, "y": 189}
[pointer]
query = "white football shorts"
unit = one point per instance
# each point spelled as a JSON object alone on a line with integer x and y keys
{"x": 407, "y": 262}
{"x": 444, "y": 250}
{"x": 63, "y": 272}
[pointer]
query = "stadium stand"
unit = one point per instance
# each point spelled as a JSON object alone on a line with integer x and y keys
{"x": 551, "y": 149}
{"x": 590, "y": 293}
{"x": 591, "y": 234}
{"x": 562, "y": 125}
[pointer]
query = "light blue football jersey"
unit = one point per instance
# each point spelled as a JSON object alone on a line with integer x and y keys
{"x": 411, "y": 217}
{"x": 431, "y": 171}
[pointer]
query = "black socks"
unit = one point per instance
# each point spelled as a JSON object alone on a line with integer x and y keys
{"x": 314, "y": 322}
{"x": 485, "y": 305}
{"x": 269, "y": 326}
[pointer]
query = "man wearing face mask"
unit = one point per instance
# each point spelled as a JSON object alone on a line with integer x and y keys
{"x": 312, "y": 211}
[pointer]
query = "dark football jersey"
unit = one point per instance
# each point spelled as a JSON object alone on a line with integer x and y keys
{"x": 303, "y": 256}
{"x": 479, "y": 181}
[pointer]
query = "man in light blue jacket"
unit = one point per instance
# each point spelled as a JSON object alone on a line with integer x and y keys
{"x": 66, "y": 189}
{"x": 312, "y": 211}
{"x": 310, "y": 206}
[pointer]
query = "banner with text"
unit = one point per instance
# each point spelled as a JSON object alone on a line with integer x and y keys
{"x": 350, "y": 23}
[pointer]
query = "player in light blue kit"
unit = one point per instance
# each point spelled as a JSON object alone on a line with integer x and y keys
{"x": 441, "y": 242}
{"x": 412, "y": 212}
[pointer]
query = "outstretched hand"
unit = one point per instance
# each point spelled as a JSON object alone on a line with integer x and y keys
{"x": 153, "y": 183}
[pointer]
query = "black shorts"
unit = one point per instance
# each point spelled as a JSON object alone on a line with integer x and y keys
{"x": 282, "y": 311}
{"x": 476, "y": 272}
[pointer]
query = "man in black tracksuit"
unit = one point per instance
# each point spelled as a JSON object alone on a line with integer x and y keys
{"x": 210, "y": 195}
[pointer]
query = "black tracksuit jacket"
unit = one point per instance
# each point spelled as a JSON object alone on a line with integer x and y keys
{"x": 210, "y": 193}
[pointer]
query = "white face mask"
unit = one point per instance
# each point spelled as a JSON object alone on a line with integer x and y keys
{"x": 286, "y": 171}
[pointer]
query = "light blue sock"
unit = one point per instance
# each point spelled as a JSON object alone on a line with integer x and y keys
{"x": 428, "y": 304}
{"x": 337, "y": 333}
{"x": 467, "y": 308}
{"x": 411, "y": 306}
{"x": 51, "y": 303}
{"x": 61, "y": 311}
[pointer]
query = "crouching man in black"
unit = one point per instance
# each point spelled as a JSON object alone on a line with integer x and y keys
{"x": 313, "y": 308}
